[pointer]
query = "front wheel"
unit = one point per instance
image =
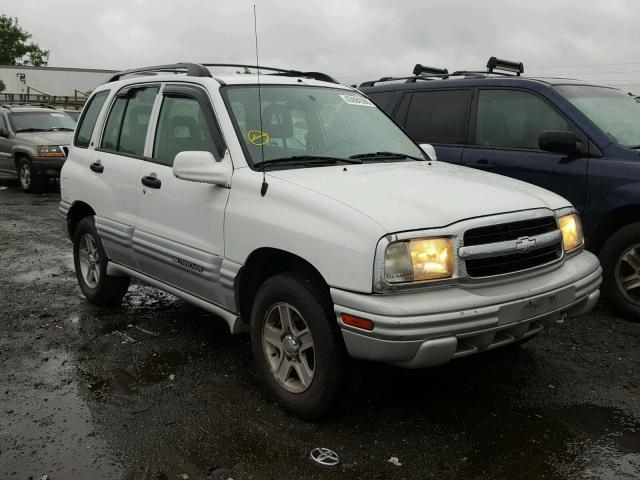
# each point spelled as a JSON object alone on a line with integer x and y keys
{"x": 297, "y": 346}
{"x": 90, "y": 263}
{"x": 620, "y": 259}
{"x": 28, "y": 180}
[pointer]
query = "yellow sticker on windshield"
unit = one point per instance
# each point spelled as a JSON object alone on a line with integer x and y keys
{"x": 258, "y": 137}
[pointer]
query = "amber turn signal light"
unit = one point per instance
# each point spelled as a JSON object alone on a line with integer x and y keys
{"x": 357, "y": 322}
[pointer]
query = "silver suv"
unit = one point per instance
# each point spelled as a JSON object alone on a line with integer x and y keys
{"x": 34, "y": 141}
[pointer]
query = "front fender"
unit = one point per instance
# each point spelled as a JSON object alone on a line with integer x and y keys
{"x": 336, "y": 239}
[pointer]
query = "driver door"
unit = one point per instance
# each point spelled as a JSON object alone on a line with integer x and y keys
{"x": 6, "y": 161}
{"x": 505, "y": 126}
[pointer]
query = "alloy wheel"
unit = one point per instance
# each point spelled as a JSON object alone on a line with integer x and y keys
{"x": 24, "y": 176}
{"x": 288, "y": 346}
{"x": 89, "y": 260}
{"x": 628, "y": 274}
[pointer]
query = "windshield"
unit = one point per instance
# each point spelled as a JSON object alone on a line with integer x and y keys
{"x": 41, "y": 121}
{"x": 617, "y": 114}
{"x": 314, "y": 123}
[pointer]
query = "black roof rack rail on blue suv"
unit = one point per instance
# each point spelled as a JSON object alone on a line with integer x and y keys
{"x": 420, "y": 72}
{"x": 278, "y": 71}
{"x": 495, "y": 66}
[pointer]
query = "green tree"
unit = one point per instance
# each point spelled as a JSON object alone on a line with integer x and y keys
{"x": 2, "y": 86}
{"x": 16, "y": 47}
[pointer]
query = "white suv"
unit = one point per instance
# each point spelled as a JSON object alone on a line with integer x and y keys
{"x": 292, "y": 207}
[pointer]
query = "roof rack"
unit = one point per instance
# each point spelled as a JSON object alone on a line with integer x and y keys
{"x": 191, "y": 69}
{"x": 420, "y": 72}
{"x": 201, "y": 70}
{"x": 505, "y": 68}
{"x": 278, "y": 71}
{"x": 26, "y": 104}
{"x": 495, "y": 66}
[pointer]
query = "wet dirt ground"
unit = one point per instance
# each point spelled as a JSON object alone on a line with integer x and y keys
{"x": 158, "y": 389}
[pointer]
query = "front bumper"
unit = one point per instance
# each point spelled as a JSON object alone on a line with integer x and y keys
{"x": 49, "y": 167}
{"x": 427, "y": 328}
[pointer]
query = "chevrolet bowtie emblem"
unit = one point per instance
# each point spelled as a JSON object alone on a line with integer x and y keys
{"x": 525, "y": 243}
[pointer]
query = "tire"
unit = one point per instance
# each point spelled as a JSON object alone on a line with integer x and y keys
{"x": 90, "y": 263}
{"x": 315, "y": 378}
{"x": 620, "y": 259}
{"x": 28, "y": 180}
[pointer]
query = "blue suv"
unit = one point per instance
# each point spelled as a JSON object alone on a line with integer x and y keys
{"x": 579, "y": 140}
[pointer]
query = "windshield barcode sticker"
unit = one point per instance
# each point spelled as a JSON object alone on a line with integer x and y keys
{"x": 57, "y": 114}
{"x": 357, "y": 100}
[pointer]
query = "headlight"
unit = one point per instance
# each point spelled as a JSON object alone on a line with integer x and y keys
{"x": 571, "y": 231}
{"x": 50, "y": 151}
{"x": 419, "y": 259}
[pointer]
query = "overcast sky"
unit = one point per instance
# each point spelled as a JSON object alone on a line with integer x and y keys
{"x": 351, "y": 39}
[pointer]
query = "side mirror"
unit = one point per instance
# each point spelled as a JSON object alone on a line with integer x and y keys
{"x": 558, "y": 141}
{"x": 4, "y": 133}
{"x": 429, "y": 150}
{"x": 202, "y": 167}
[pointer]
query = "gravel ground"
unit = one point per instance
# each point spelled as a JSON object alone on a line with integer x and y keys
{"x": 158, "y": 389}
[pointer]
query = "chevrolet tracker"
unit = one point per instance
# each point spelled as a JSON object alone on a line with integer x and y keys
{"x": 294, "y": 208}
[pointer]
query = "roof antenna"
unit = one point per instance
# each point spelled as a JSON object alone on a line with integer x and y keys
{"x": 265, "y": 185}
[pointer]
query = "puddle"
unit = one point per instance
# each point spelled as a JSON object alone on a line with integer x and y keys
{"x": 48, "y": 415}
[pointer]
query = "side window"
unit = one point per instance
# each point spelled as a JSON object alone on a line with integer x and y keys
{"x": 514, "y": 119}
{"x": 128, "y": 122}
{"x": 383, "y": 100}
{"x": 84, "y": 130}
{"x": 3, "y": 124}
{"x": 181, "y": 127}
{"x": 439, "y": 116}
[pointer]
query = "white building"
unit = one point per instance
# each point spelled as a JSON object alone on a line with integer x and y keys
{"x": 51, "y": 80}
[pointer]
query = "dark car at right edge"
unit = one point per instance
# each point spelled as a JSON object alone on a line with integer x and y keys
{"x": 579, "y": 140}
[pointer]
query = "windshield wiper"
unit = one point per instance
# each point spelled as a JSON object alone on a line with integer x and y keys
{"x": 305, "y": 160}
{"x": 31, "y": 130}
{"x": 60, "y": 129}
{"x": 385, "y": 156}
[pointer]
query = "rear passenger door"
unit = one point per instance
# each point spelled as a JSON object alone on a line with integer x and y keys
{"x": 114, "y": 167}
{"x": 179, "y": 234}
{"x": 438, "y": 117}
{"x": 504, "y": 130}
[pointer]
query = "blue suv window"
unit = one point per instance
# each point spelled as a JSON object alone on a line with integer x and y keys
{"x": 439, "y": 116}
{"x": 514, "y": 119}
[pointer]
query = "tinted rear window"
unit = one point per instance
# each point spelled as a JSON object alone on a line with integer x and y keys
{"x": 439, "y": 116}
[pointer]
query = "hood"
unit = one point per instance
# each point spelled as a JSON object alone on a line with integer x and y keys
{"x": 404, "y": 196}
{"x": 46, "y": 138}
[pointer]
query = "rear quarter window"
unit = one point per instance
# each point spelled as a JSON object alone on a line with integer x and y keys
{"x": 439, "y": 116}
{"x": 87, "y": 123}
{"x": 384, "y": 100}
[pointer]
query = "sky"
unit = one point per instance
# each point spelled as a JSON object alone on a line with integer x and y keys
{"x": 352, "y": 40}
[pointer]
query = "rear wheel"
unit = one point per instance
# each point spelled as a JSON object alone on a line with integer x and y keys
{"x": 90, "y": 263}
{"x": 28, "y": 180}
{"x": 620, "y": 259}
{"x": 297, "y": 346}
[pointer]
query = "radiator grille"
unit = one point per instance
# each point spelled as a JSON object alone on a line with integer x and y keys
{"x": 500, "y": 264}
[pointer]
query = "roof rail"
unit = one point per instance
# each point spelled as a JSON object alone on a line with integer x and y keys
{"x": 495, "y": 66}
{"x": 278, "y": 71}
{"x": 191, "y": 69}
{"x": 26, "y": 104}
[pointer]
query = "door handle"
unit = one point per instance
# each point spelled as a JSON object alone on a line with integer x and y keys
{"x": 97, "y": 167}
{"x": 151, "y": 182}
{"x": 482, "y": 164}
